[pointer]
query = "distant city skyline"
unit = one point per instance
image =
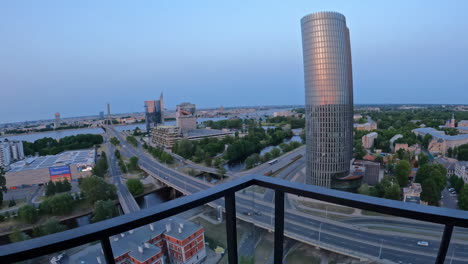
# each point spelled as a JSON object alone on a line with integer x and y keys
{"x": 73, "y": 58}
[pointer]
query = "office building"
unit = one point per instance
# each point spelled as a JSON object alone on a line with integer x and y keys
{"x": 368, "y": 140}
{"x": 154, "y": 113}
{"x": 185, "y": 117}
{"x": 329, "y": 97}
{"x": 165, "y": 136}
{"x": 57, "y": 120}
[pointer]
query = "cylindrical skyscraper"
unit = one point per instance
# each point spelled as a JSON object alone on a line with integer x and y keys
{"x": 329, "y": 97}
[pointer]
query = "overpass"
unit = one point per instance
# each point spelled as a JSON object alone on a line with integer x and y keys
{"x": 332, "y": 235}
{"x": 126, "y": 200}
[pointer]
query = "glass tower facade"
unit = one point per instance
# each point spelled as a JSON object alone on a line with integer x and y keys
{"x": 329, "y": 97}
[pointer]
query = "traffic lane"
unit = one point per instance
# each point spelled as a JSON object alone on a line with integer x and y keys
{"x": 449, "y": 201}
{"x": 350, "y": 232}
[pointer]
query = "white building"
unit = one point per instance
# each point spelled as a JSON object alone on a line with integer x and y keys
{"x": 5, "y": 154}
{"x": 461, "y": 170}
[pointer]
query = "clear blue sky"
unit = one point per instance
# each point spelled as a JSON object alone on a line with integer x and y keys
{"x": 74, "y": 56}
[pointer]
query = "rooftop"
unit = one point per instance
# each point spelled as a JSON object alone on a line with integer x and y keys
{"x": 84, "y": 157}
{"x": 206, "y": 133}
{"x": 440, "y": 134}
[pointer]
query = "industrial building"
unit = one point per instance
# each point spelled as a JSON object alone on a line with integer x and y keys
{"x": 329, "y": 97}
{"x": 40, "y": 170}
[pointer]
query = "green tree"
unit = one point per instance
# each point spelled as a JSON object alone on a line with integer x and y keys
{"x": 463, "y": 197}
{"x": 426, "y": 140}
{"x": 100, "y": 169}
{"x": 247, "y": 260}
{"x": 18, "y": 236}
{"x": 52, "y": 226}
{"x": 423, "y": 159}
{"x": 133, "y": 165}
{"x": 132, "y": 140}
{"x": 114, "y": 141}
{"x": 364, "y": 189}
{"x": 392, "y": 192}
{"x": 430, "y": 191}
{"x": 3, "y": 188}
{"x": 11, "y": 203}
{"x": 104, "y": 210}
{"x": 94, "y": 188}
{"x": 135, "y": 186}
{"x": 28, "y": 213}
{"x": 456, "y": 182}
{"x": 275, "y": 152}
{"x": 59, "y": 204}
{"x": 50, "y": 188}
{"x": 402, "y": 171}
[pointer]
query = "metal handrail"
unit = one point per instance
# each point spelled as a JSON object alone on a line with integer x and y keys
{"x": 102, "y": 231}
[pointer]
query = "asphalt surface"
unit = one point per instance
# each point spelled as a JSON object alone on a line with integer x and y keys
{"x": 127, "y": 202}
{"x": 344, "y": 237}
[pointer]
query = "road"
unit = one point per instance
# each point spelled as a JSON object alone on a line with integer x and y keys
{"x": 127, "y": 202}
{"x": 332, "y": 235}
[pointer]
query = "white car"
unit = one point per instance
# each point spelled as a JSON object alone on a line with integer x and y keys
{"x": 423, "y": 243}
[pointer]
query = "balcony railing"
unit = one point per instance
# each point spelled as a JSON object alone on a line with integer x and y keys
{"x": 102, "y": 231}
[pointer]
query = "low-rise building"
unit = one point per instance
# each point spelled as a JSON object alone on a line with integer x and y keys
{"x": 448, "y": 163}
{"x": 446, "y": 141}
{"x": 368, "y": 140}
{"x": 168, "y": 241}
{"x": 412, "y": 194}
{"x": 369, "y": 126}
{"x": 40, "y": 170}
{"x": 463, "y": 123}
{"x": 437, "y": 146}
{"x": 372, "y": 171}
{"x": 461, "y": 170}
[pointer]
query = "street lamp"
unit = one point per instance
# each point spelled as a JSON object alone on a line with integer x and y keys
{"x": 320, "y": 230}
{"x": 380, "y": 250}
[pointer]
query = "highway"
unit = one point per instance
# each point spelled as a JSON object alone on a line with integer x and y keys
{"x": 340, "y": 237}
{"x": 127, "y": 202}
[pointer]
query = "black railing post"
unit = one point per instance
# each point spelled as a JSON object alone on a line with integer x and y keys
{"x": 279, "y": 226}
{"x": 107, "y": 249}
{"x": 231, "y": 228}
{"x": 444, "y": 244}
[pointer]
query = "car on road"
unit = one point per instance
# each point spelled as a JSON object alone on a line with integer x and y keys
{"x": 258, "y": 213}
{"x": 451, "y": 189}
{"x": 423, "y": 243}
{"x": 247, "y": 213}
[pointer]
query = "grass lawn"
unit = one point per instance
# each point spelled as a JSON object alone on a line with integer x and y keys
{"x": 331, "y": 208}
{"x": 301, "y": 256}
{"x": 264, "y": 249}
